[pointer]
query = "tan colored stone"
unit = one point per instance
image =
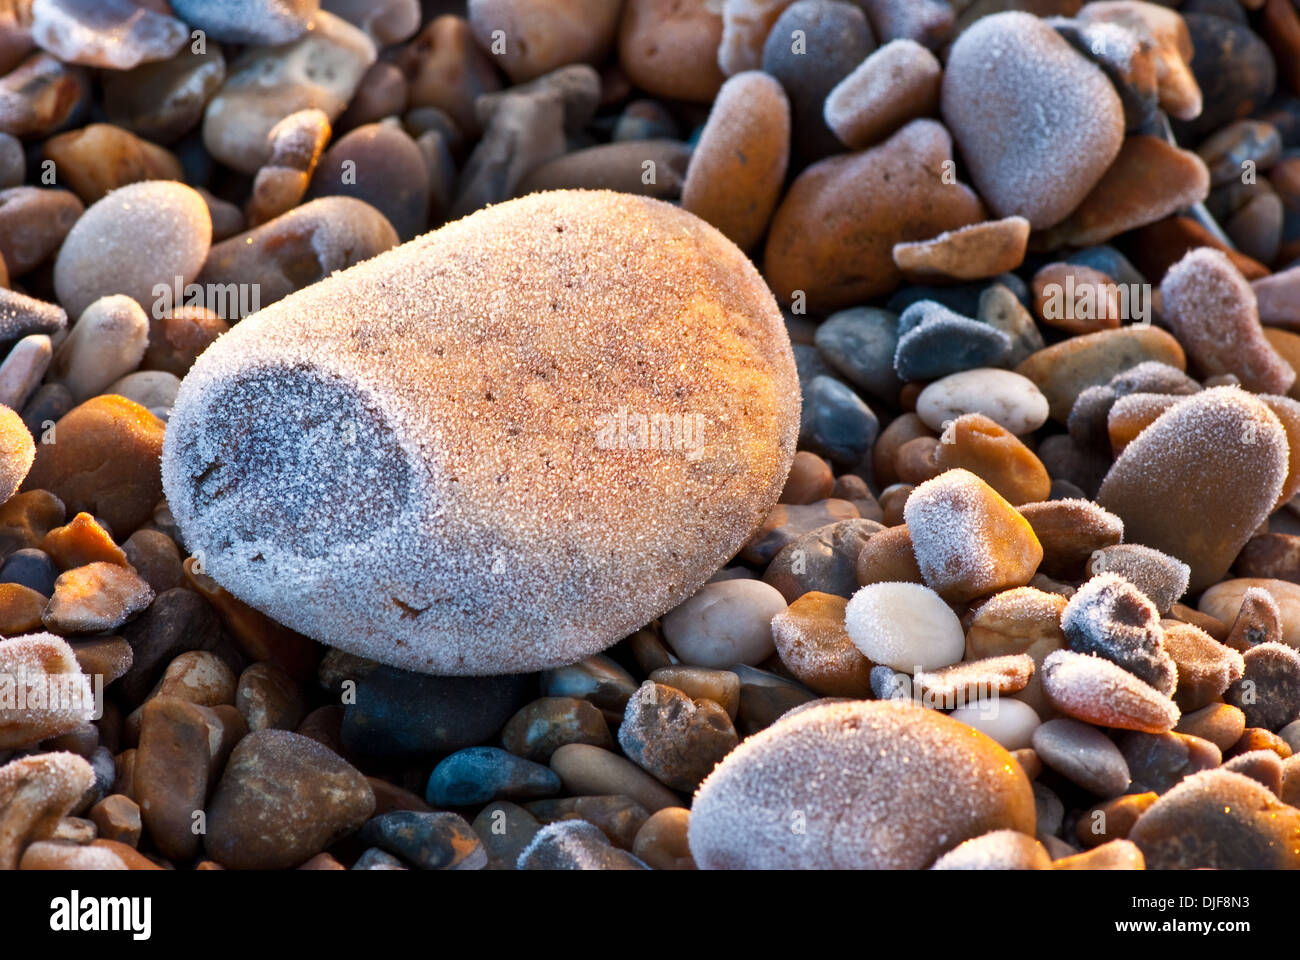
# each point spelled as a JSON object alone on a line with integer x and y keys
{"x": 997, "y": 456}
{"x": 82, "y": 541}
{"x": 976, "y": 252}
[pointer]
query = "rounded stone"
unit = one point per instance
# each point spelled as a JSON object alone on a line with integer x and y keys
{"x": 670, "y": 49}
{"x": 814, "y": 645}
{"x": 874, "y": 785}
{"x": 905, "y": 626}
{"x": 676, "y": 739}
{"x": 1008, "y": 399}
{"x": 541, "y": 37}
{"x": 1084, "y": 755}
{"x": 723, "y": 623}
{"x": 346, "y": 492}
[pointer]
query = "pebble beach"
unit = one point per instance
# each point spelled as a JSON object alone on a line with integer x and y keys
{"x": 674, "y": 435}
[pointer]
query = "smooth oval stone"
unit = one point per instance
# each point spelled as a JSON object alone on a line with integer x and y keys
{"x": 31, "y": 568}
{"x": 976, "y": 252}
{"x": 265, "y": 84}
{"x": 836, "y": 423}
{"x": 1010, "y": 722}
{"x": 263, "y": 265}
{"x": 41, "y": 95}
{"x": 1084, "y": 755}
{"x": 401, "y": 714}
{"x": 859, "y": 343}
{"x": 143, "y": 235}
{"x": 738, "y": 165}
{"x": 545, "y": 725}
{"x": 540, "y": 38}
{"x": 670, "y": 49}
{"x": 107, "y": 342}
{"x": 905, "y": 626}
{"x": 864, "y": 782}
{"x": 839, "y": 38}
{"x": 621, "y": 167}
{"x": 440, "y": 481}
{"x": 978, "y": 444}
{"x": 824, "y": 560}
{"x": 724, "y": 623}
{"x": 1037, "y": 122}
{"x": 481, "y": 774}
{"x": 813, "y": 643}
{"x": 33, "y": 224}
{"x": 386, "y": 21}
{"x": 1008, "y": 399}
{"x": 1199, "y": 481}
{"x": 588, "y": 770}
{"x": 101, "y": 157}
{"x": 833, "y": 235}
{"x": 387, "y": 171}
{"x": 1064, "y": 370}
{"x": 1220, "y": 820}
{"x": 282, "y": 799}
{"x": 897, "y": 83}
{"x": 1158, "y": 761}
{"x": 999, "y": 850}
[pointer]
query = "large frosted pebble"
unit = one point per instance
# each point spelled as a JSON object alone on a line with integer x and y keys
{"x": 724, "y": 623}
{"x": 905, "y": 626}
{"x": 108, "y": 341}
{"x": 137, "y": 237}
{"x": 498, "y": 448}
{"x": 1199, "y": 481}
{"x": 897, "y": 83}
{"x": 1006, "y": 398}
{"x": 1037, "y": 122}
{"x": 1010, "y": 722}
{"x": 1213, "y": 312}
{"x": 856, "y": 785}
{"x": 969, "y": 541}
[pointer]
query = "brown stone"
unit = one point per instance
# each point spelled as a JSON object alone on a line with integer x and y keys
{"x": 1112, "y": 819}
{"x": 177, "y": 339}
{"x": 1271, "y": 556}
{"x": 33, "y": 224}
{"x": 36, "y": 792}
{"x": 104, "y": 461}
{"x": 99, "y": 596}
{"x": 884, "y": 453}
{"x": 1219, "y": 723}
{"x": 20, "y": 609}
{"x": 675, "y": 738}
{"x": 995, "y": 455}
{"x": 811, "y": 479}
{"x": 1059, "y": 287}
{"x": 813, "y": 644}
{"x": 269, "y": 698}
{"x": 1024, "y": 620}
{"x": 155, "y": 557}
{"x": 661, "y": 842}
{"x": 825, "y": 559}
{"x": 915, "y": 462}
{"x": 1257, "y": 738}
{"x": 834, "y": 233}
{"x": 81, "y": 541}
{"x": 25, "y": 519}
{"x": 670, "y": 49}
{"x": 101, "y": 157}
{"x": 786, "y": 523}
{"x": 117, "y": 818}
{"x": 546, "y": 724}
{"x": 446, "y": 69}
{"x": 720, "y": 686}
{"x": 1158, "y": 247}
{"x": 619, "y": 817}
{"x": 589, "y": 770}
{"x": 976, "y": 252}
{"x": 171, "y": 774}
{"x": 888, "y": 556}
{"x": 1114, "y": 855}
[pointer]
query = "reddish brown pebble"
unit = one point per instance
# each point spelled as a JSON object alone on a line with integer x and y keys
{"x": 118, "y": 818}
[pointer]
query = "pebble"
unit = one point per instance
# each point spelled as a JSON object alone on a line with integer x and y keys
{"x": 296, "y": 143}
{"x": 30, "y": 568}
{"x": 381, "y": 93}
{"x": 999, "y": 850}
{"x": 1148, "y": 181}
{"x": 99, "y": 596}
{"x": 813, "y": 643}
{"x": 1110, "y": 617}
{"x": 670, "y": 49}
{"x": 295, "y": 250}
{"x": 1262, "y": 765}
{"x": 40, "y": 95}
{"x": 401, "y": 714}
{"x": 249, "y": 21}
{"x": 662, "y": 843}
{"x": 1001, "y": 309}
{"x": 836, "y": 423}
{"x": 929, "y": 22}
{"x": 898, "y": 82}
{"x": 25, "y": 519}
{"x": 618, "y": 817}
{"x": 1232, "y": 67}
{"x": 1009, "y": 399}
{"x": 621, "y": 167}
{"x": 905, "y": 626}
{"x": 738, "y": 166}
{"x": 36, "y": 664}
{"x": 1037, "y": 123}
{"x": 33, "y": 224}
{"x": 724, "y": 623}
{"x": 720, "y": 686}
{"x": 1115, "y": 855}
{"x": 1161, "y": 577}
{"x": 107, "y": 342}
{"x": 155, "y": 556}
{"x": 546, "y": 724}
{"x": 1100, "y": 692}
{"x": 931, "y": 783}
{"x": 100, "y": 158}
{"x": 141, "y": 236}
{"x": 386, "y": 170}
{"x": 23, "y": 369}
{"x": 264, "y": 84}
{"x": 765, "y": 698}
{"x": 1211, "y": 308}
{"x": 935, "y": 342}
{"x": 598, "y": 679}
{"x": 888, "y": 557}
{"x": 1258, "y": 621}
{"x": 1268, "y": 691}
{"x": 1205, "y": 666}
{"x": 20, "y": 609}
{"x": 1009, "y": 722}
{"x": 36, "y": 792}
{"x": 1224, "y": 602}
{"x": 673, "y": 737}
{"x": 282, "y": 799}
{"x": 178, "y": 337}
{"x": 1275, "y": 296}
{"x": 268, "y": 698}
{"x": 1221, "y": 820}
{"x": 386, "y": 21}
{"x": 13, "y": 161}
{"x": 1219, "y": 723}
{"x": 505, "y": 830}
{"x": 445, "y": 69}
{"x": 811, "y": 479}
{"x": 429, "y": 841}
{"x": 1022, "y": 620}
{"x": 1257, "y": 738}
{"x": 989, "y": 678}
{"x": 834, "y": 232}
{"x": 745, "y": 26}
{"x": 588, "y": 770}
{"x": 812, "y": 46}
{"x": 540, "y": 39}
{"x": 1216, "y": 441}
{"x": 978, "y": 444}
{"x": 163, "y": 100}
{"x": 968, "y": 540}
{"x": 574, "y": 845}
{"x": 859, "y": 344}
{"x": 117, "y": 818}
{"x": 481, "y": 774}
{"x": 1159, "y": 761}
{"x": 1166, "y": 35}
{"x": 170, "y": 779}
{"x": 825, "y": 560}
{"x": 1084, "y": 755}
{"x": 970, "y": 253}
